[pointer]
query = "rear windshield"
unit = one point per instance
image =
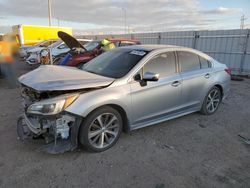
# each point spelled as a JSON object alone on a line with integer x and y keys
{"x": 115, "y": 63}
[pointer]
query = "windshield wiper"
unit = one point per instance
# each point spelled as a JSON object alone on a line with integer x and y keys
{"x": 90, "y": 71}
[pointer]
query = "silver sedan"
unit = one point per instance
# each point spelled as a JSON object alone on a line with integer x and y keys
{"x": 124, "y": 89}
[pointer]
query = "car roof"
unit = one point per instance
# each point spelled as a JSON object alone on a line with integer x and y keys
{"x": 151, "y": 47}
{"x": 123, "y": 39}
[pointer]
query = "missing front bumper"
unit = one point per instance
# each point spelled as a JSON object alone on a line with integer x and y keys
{"x": 60, "y": 133}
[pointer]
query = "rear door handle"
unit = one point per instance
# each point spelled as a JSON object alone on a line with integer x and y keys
{"x": 207, "y": 75}
{"x": 175, "y": 83}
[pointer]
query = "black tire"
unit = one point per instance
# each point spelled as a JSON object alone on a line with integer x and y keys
{"x": 91, "y": 121}
{"x": 208, "y": 109}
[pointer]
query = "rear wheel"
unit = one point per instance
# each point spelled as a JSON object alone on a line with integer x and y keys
{"x": 212, "y": 101}
{"x": 101, "y": 129}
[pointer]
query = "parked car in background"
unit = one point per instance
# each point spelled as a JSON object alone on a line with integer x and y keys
{"x": 57, "y": 48}
{"x": 32, "y": 53}
{"x": 23, "y": 52}
{"x": 60, "y": 47}
{"x": 81, "y": 54}
{"x": 123, "y": 89}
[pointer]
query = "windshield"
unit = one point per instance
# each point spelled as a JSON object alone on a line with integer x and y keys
{"x": 46, "y": 43}
{"x": 57, "y": 43}
{"x": 91, "y": 45}
{"x": 115, "y": 63}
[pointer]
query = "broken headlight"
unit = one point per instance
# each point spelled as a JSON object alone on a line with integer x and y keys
{"x": 52, "y": 106}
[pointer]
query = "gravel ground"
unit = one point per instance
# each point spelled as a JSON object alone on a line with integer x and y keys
{"x": 191, "y": 151}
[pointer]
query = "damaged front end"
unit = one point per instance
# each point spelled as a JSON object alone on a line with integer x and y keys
{"x": 44, "y": 117}
{"x": 47, "y": 91}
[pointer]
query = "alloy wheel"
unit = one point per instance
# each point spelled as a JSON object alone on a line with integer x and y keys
{"x": 213, "y": 100}
{"x": 103, "y": 130}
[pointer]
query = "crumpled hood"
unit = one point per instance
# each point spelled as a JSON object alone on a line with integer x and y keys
{"x": 60, "y": 78}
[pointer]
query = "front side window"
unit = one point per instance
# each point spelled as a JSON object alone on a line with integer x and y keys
{"x": 163, "y": 64}
{"x": 188, "y": 61}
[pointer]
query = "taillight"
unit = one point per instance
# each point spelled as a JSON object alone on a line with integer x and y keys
{"x": 229, "y": 71}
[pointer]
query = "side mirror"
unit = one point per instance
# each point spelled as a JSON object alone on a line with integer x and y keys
{"x": 150, "y": 76}
{"x": 137, "y": 77}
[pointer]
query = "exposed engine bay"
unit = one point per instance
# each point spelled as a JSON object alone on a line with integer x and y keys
{"x": 31, "y": 95}
{"x": 58, "y": 131}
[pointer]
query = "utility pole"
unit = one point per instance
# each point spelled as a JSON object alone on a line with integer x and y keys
{"x": 49, "y": 10}
{"x": 242, "y": 21}
{"x": 125, "y": 20}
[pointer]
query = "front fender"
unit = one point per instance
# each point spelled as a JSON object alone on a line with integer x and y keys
{"x": 87, "y": 102}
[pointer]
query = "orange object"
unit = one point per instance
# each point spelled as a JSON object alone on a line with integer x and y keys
{"x": 5, "y": 52}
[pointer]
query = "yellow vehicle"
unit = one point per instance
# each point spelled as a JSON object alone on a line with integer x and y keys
{"x": 33, "y": 34}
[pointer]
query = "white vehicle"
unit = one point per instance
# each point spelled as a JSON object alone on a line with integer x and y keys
{"x": 31, "y": 53}
{"x": 56, "y": 48}
{"x": 26, "y": 50}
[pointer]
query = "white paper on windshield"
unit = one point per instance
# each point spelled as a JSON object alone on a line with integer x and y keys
{"x": 138, "y": 52}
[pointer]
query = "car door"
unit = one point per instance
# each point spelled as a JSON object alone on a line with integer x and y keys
{"x": 155, "y": 100}
{"x": 196, "y": 75}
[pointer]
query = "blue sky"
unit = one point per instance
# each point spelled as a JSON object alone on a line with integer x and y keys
{"x": 141, "y": 15}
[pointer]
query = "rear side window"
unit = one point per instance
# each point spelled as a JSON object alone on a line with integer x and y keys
{"x": 163, "y": 64}
{"x": 204, "y": 63}
{"x": 188, "y": 61}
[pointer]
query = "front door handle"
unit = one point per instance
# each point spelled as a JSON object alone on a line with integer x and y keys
{"x": 207, "y": 75}
{"x": 175, "y": 83}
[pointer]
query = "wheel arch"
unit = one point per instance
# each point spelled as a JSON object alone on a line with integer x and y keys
{"x": 122, "y": 112}
{"x": 221, "y": 89}
{"x": 214, "y": 85}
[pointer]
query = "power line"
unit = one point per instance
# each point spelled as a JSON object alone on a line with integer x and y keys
{"x": 242, "y": 21}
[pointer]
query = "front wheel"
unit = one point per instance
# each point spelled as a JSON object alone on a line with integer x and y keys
{"x": 101, "y": 129}
{"x": 212, "y": 101}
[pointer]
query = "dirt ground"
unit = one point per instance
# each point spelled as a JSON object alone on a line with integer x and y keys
{"x": 191, "y": 151}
